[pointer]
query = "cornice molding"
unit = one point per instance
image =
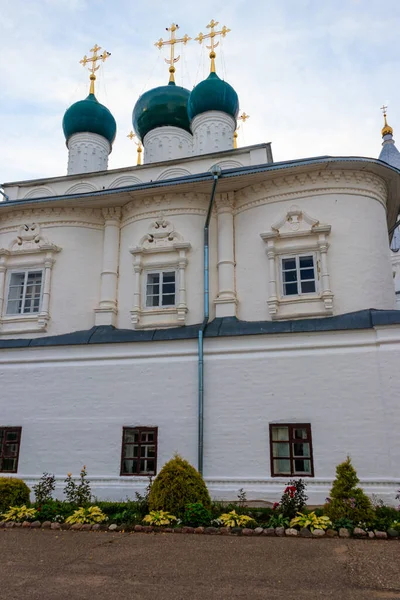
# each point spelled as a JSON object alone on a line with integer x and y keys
{"x": 67, "y": 216}
{"x": 172, "y": 204}
{"x": 311, "y": 184}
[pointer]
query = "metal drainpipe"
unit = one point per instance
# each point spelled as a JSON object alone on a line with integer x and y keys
{"x": 216, "y": 172}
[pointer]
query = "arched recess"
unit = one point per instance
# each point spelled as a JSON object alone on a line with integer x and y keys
{"x": 40, "y": 192}
{"x": 172, "y": 173}
{"x": 124, "y": 181}
{"x": 81, "y": 188}
{"x": 229, "y": 164}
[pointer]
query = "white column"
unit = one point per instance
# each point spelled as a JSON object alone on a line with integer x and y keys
{"x": 137, "y": 296}
{"x": 326, "y": 291}
{"x": 87, "y": 153}
{"x": 2, "y": 283}
{"x": 107, "y": 310}
{"x": 226, "y": 299}
{"x": 182, "y": 263}
{"x": 272, "y": 288}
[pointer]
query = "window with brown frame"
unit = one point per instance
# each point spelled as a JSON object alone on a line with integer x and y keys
{"x": 10, "y": 438}
{"x": 139, "y": 451}
{"x": 291, "y": 450}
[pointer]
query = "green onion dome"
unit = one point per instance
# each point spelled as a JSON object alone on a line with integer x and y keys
{"x": 213, "y": 94}
{"x": 163, "y": 106}
{"x": 89, "y": 116}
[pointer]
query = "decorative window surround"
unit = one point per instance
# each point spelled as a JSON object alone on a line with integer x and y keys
{"x": 298, "y": 234}
{"x": 161, "y": 249}
{"x": 30, "y": 250}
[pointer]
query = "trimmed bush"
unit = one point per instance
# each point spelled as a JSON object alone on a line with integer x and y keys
{"x": 13, "y": 492}
{"x": 176, "y": 485}
{"x": 347, "y": 501}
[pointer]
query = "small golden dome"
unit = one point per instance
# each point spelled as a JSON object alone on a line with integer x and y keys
{"x": 386, "y": 129}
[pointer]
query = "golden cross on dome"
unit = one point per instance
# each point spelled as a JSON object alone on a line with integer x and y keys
{"x": 243, "y": 117}
{"x": 171, "y": 42}
{"x": 212, "y": 24}
{"x": 131, "y": 135}
{"x": 92, "y": 60}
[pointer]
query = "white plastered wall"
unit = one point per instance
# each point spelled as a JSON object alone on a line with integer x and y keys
{"x": 83, "y": 395}
{"x": 359, "y": 267}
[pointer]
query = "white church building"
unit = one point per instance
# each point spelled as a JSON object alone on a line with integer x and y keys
{"x": 262, "y": 347}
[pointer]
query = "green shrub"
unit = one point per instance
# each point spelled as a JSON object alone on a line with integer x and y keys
{"x": 347, "y": 500}
{"x": 196, "y": 515}
{"x": 385, "y": 516}
{"x": 54, "y": 511}
{"x": 176, "y": 485}
{"x": 13, "y": 492}
{"x": 128, "y": 512}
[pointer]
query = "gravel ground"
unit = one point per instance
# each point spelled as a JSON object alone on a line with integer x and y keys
{"x": 66, "y": 565}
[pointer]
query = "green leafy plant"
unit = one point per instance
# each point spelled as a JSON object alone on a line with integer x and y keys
{"x": 196, "y": 515}
{"x": 78, "y": 493}
{"x": 346, "y": 499}
{"x": 159, "y": 517}
{"x": 54, "y": 511}
{"x": 176, "y": 485}
{"x": 13, "y": 492}
{"x": 311, "y": 521}
{"x": 343, "y": 522}
{"x": 142, "y": 501}
{"x": 19, "y": 514}
{"x": 293, "y": 499}
{"x": 278, "y": 520}
{"x": 44, "y": 488}
{"x": 233, "y": 519}
{"x": 91, "y": 515}
{"x": 395, "y": 525}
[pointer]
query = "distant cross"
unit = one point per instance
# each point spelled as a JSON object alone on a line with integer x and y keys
{"x": 384, "y": 109}
{"x": 92, "y": 60}
{"x": 212, "y": 35}
{"x": 131, "y": 135}
{"x": 243, "y": 117}
{"x": 171, "y": 42}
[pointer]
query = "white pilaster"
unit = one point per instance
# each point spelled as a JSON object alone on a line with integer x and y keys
{"x": 167, "y": 143}
{"x": 87, "y": 153}
{"x": 212, "y": 132}
{"x": 226, "y": 299}
{"x": 107, "y": 310}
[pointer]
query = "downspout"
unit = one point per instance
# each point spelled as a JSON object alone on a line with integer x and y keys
{"x": 216, "y": 173}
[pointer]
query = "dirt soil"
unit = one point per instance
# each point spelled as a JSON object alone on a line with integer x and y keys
{"x": 66, "y": 565}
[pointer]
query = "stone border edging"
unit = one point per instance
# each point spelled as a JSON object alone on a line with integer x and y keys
{"x": 258, "y": 531}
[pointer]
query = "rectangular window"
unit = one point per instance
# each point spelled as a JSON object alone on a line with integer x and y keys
{"x": 139, "y": 451}
{"x": 291, "y": 450}
{"x": 24, "y": 292}
{"x": 298, "y": 275}
{"x": 10, "y": 438}
{"x": 160, "y": 289}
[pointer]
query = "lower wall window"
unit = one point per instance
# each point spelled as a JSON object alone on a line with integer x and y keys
{"x": 291, "y": 450}
{"x": 139, "y": 451}
{"x": 10, "y": 438}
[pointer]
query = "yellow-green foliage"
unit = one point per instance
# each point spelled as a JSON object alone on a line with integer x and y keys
{"x": 176, "y": 485}
{"x": 346, "y": 499}
{"x": 310, "y": 520}
{"x": 13, "y": 492}
{"x": 232, "y": 519}
{"x": 91, "y": 515}
{"x": 19, "y": 514}
{"x": 159, "y": 517}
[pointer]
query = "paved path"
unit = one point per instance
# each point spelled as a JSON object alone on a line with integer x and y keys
{"x": 66, "y": 565}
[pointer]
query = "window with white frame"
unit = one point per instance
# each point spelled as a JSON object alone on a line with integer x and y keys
{"x": 298, "y": 275}
{"x": 160, "y": 289}
{"x": 24, "y": 292}
{"x": 298, "y": 269}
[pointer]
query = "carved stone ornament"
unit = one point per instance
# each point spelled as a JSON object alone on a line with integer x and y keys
{"x": 29, "y": 240}
{"x": 296, "y": 222}
{"x": 161, "y": 235}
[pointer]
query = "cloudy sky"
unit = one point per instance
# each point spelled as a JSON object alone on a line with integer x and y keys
{"x": 311, "y": 74}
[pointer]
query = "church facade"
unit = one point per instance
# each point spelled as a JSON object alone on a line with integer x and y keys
{"x": 210, "y": 302}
